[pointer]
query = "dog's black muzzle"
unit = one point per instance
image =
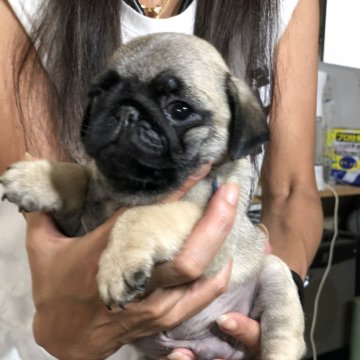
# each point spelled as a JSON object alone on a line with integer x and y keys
{"x": 147, "y": 136}
{"x": 133, "y": 142}
{"x": 133, "y": 138}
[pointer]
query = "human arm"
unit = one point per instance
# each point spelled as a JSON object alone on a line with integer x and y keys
{"x": 33, "y": 130}
{"x": 11, "y": 142}
{"x": 291, "y": 204}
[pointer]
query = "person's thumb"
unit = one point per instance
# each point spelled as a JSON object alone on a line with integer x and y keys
{"x": 41, "y": 224}
{"x": 242, "y": 328}
{"x": 43, "y": 238}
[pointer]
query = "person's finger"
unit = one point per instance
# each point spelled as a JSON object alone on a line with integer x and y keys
{"x": 146, "y": 317}
{"x": 189, "y": 183}
{"x": 242, "y": 328}
{"x": 39, "y": 222}
{"x": 201, "y": 293}
{"x": 168, "y": 307}
{"x": 42, "y": 233}
{"x": 180, "y": 354}
{"x": 28, "y": 157}
{"x": 203, "y": 243}
{"x": 43, "y": 241}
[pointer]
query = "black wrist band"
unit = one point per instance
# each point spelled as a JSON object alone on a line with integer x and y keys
{"x": 300, "y": 285}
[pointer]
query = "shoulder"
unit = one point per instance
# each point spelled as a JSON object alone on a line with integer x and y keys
{"x": 12, "y": 145}
{"x": 25, "y": 11}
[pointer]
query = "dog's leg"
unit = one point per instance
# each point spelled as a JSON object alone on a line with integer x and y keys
{"x": 142, "y": 237}
{"x": 57, "y": 188}
{"x": 280, "y": 313}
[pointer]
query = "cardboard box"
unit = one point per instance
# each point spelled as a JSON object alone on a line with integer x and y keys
{"x": 343, "y": 146}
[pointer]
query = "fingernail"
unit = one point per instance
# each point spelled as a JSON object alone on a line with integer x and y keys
{"x": 226, "y": 323}
{"x": 178, "y": 356}
{"x": 200, "y": 173}
{"x": 28, "y": 156}
{"x": 232, "y": 193}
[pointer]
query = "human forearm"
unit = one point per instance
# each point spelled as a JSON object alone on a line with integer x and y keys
{"x": 295, "y": 224}
{"x": 292, "y": 209}
{"x": 12, "y": 146}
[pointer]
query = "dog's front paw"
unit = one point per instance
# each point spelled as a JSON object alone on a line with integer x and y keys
{"x": 28, "y": 184}
{"x": 122, "y": 277}
{"x": 142, "y": 237}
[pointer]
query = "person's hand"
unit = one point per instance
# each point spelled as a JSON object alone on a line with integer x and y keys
{"x": 71, "y": 322}
{"x": 242, "y": 328}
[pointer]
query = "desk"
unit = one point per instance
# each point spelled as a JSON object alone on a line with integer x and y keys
{"x": 343, "y": 282}
{"x": 349, "y": 199}
{"x": 342, "y": 190}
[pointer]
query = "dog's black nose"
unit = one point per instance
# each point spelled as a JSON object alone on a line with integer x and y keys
{"x": 128, "y": 115}
{"x": 136, "y": 126}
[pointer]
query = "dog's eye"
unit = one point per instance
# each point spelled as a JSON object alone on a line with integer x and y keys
{"x": 180, "y": 110}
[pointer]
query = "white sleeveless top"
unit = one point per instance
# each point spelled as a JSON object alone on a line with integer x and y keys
{"x": 135, "y": 24}
{"x": 16, "y": 340}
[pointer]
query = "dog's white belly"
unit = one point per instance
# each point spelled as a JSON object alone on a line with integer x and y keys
{"x": 200, "y": 333}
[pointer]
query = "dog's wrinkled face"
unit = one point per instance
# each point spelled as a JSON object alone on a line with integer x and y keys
{"x": 166, "y": 105}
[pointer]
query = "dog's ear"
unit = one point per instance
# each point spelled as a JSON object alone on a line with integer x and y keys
{"x": 102, "y": 83}
{"x": 85, "y": 120}
{"x": 248, "y": 127}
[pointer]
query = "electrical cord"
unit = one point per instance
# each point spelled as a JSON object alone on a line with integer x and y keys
{"x": 326, "y": 273}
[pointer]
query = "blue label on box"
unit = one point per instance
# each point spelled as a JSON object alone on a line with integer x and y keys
{"x": 347, "y": 163}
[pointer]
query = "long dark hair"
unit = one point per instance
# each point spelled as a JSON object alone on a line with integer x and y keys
{"x": 76, "y": 38}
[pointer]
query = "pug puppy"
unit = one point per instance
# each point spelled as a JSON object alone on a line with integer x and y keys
{"x": 167, "y": 104}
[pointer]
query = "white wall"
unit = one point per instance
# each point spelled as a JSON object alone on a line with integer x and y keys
{"x": 342, "y": 28}
{"x": 343, "y": 88}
